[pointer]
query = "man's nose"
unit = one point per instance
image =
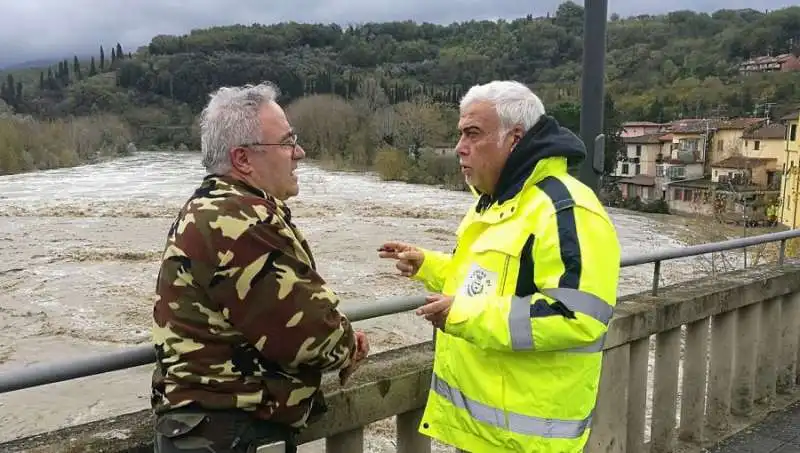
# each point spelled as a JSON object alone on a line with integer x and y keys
{"x": 299, "y": 152}
{"x": 461, "y": 149}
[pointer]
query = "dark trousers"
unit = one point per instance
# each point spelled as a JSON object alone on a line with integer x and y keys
{"x": 197, "y": 430}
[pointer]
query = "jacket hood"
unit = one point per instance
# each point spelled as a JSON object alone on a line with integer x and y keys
{"x": 545, "y": 139}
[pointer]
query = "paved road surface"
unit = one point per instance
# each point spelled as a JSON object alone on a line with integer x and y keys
{"x": 778, "y": 433}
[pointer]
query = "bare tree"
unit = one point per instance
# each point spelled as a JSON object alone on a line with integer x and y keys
{"x": 419, "y": 122}
{"x": 371, "y": 96}
{"x": 325, "y": 124}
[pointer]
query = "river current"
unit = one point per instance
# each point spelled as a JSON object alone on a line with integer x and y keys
{"x": 79, "y": 250}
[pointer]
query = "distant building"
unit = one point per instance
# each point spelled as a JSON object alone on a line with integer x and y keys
{"x": 637, "y": 167}
{"x": 790, "y": 185}
{"x": 729, "y": 168}
{"x": 639, "y": 128}
{"x": 783, "y": 63}
{"x": 728, "y": 139}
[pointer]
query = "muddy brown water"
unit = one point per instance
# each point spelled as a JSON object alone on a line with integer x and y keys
{"x": 79, "y": 252}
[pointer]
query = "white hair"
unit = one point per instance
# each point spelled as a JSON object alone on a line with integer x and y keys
{"x": 514, "y": 102}
{"x": 230, "y": 119}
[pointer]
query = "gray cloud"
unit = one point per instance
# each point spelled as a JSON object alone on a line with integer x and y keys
{"x": 38, "y": 29}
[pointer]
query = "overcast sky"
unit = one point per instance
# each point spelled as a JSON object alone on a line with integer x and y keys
{"x": 36, "y": 29}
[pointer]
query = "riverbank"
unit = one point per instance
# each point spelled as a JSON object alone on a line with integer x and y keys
{"x": 28, "y": 144}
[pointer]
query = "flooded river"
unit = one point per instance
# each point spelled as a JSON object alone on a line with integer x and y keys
{"x": 79, "y": 252}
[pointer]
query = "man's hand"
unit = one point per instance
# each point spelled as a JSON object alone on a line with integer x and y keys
{"x": 362, "y": 346}
{"x": 409, "y": 257}
{"x": 361, "y": 352}
{"x": 436, "y": 309}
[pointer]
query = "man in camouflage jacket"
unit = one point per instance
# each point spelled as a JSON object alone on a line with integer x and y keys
{"x": 244, "y": 326}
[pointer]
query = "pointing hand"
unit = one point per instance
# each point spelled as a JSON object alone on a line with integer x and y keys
{"x": 409, "y": 258}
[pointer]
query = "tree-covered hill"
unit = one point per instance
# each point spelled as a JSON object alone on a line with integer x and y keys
{"x": 660, "y": 67}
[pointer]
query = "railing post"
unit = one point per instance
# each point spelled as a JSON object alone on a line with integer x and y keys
{"x": 656, "y": 276}
{"x": 787, "y": 363}
{"x": 719, "y": 385}
{"x": 665, "y": 390}
{"x": 694, "y": 382}
{"x": 409, "y": 439}
{"x": 347, "y": 442}
{"x": 637, "y": 393}
{"x": 747, "y": 335}
{"x": 766, "y": 374}
{"x": 782, "y": 252}
{"x": 610, "y": 421}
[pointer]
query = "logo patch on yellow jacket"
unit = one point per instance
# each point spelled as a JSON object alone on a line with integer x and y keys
{"x": 478, "y": 281}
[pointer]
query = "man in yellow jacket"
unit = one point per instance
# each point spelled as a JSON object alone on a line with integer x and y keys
{"x": 523, "y": 302}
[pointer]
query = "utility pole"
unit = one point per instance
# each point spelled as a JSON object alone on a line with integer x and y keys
{"x": 592, "y": 91}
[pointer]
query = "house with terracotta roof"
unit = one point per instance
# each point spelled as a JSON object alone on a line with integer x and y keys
{"x": 691, "y": 138}
{"x": 756, "y": 171}
{"x": 708, "y": 171}
{"x": 768, "y": 63}
{"x": 637, "y": 167}
{"x": 639, "y": 128}
{"x": 769, "y": 140}
{"x": 728, "y": 137}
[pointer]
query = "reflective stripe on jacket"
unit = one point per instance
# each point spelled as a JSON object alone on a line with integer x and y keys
{"x": 534, "y": 281}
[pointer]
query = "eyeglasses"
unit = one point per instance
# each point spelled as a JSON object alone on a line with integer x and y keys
{"x": 291, "y": 142}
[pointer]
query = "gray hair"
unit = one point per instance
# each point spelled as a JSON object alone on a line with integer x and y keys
{"x": 230, "y": 119}
{"x": 514, "y": 102}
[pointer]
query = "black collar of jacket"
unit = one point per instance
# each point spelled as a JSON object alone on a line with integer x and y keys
{"x": 545, "y": 139}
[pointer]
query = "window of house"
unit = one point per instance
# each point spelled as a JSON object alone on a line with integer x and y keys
{"x": 793, "y": 132}
{"x": 638, "y": 169}
{"x": 659, "y": 170}
{"x": 624, "y": 169}
{"x": 757, "y": 145}
{"x": 690, "y": 144}
{"x": 638, "y": 150}
{"x": 677, "y": 194}
{"x": 676, "y": 172}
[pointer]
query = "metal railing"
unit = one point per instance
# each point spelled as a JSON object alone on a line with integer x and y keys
{"x": 48, "y": 373}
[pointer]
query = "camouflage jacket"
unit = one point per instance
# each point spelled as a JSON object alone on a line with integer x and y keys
{"x": 242, "y": 319}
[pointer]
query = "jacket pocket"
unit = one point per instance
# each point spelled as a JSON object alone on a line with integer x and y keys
{"x": 497, "y": 254}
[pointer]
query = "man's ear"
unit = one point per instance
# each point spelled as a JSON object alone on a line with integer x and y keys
{"x": 240, "y": 160}
{"x": 518, "y": 134}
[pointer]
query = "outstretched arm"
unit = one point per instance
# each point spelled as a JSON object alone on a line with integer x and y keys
{"x": 434, "y": 269}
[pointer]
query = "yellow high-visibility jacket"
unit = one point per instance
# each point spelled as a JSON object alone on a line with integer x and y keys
{"x": 534, "y": 281}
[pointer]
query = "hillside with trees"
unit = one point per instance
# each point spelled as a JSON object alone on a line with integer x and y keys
{"x": 399, "y": 82}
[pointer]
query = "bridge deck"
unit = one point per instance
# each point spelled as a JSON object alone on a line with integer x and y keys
{"x": 778, "y": 433}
